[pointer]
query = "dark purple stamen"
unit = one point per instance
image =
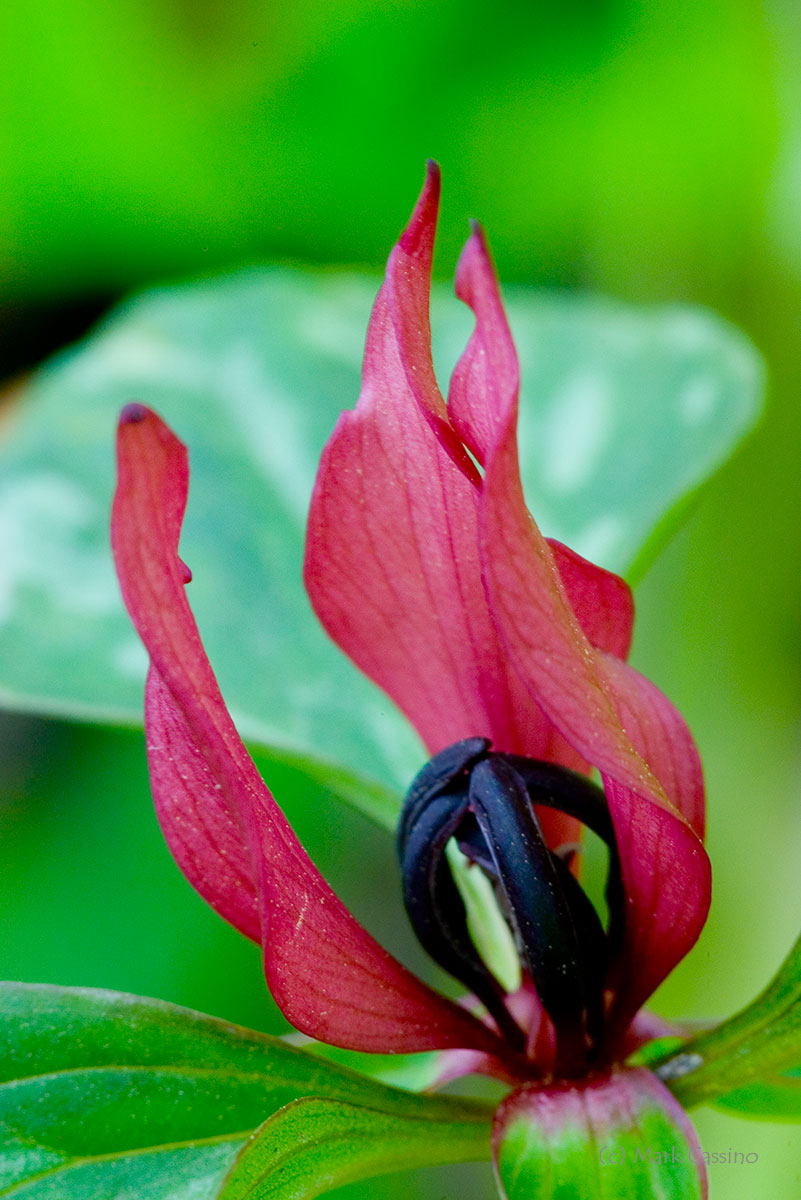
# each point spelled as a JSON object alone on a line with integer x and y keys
{"x": 485, "y": 801}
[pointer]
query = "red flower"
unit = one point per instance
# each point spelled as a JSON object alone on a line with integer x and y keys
{"x": 425, "y": 566}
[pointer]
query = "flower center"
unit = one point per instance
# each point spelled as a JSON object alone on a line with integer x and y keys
{"x": 486, "y": 802}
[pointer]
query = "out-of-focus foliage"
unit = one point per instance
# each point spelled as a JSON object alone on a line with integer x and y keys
{"x": 649, "y": 150}
{"x": 253, "y": 370}
{"x": 143, "y": 138}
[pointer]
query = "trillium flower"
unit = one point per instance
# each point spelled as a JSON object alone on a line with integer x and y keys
{"x": 507, "y": 653}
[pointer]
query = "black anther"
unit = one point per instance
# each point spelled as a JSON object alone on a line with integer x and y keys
{"x": 571, "y": 793}
{"x": 436, "y": 909}
{"x": 593, "y": 946}
{"x": 486, "y": 801}
{"x": 535, "y": 895}
{"x": 577, "y": 796}
{"x": 439, "y": 775}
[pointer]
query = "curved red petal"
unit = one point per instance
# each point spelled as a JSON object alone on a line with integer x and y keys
{"x": 660, "y": 735}
{"x": 615, "y": 720}
{"x": 209, "y": 846}
{"x": 528, "y": 597}
{"x": 485, "y": 379}
{"x": 601, "y": 600}
{"x": 392, "y": 555}
{"x": 408, "y": 294}
{"x": 487, "y": 376}
{"x": 668, "y": 885}
{"x": 329, "y": 976}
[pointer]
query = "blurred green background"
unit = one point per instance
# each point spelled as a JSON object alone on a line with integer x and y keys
{"x": 647, "y": 150}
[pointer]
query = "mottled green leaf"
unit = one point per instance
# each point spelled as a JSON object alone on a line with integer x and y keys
{"x": 313, "y": 1146}
{"x": 624, "y": 413}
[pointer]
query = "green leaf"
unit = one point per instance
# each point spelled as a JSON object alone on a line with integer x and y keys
{"x": 412, "y": 1072}
{"x": 313, "y": 1146}
{"x": 624, "y": 413}
{"x": 192, "y": 1172}
{"x": 91, "y": 1074}
{"x": 775, "y": 1098}
{"x": 655, "y": 1051}
{"x": 752, "y": 1047}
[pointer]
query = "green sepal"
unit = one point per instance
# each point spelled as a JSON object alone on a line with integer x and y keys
{"x": 621, "y": 1135}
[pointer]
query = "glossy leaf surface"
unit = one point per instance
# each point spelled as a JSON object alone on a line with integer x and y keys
{"x": 90, "y": 1075}
{"x": 313, "y": 1146}
{"x": 192, "y": 1172}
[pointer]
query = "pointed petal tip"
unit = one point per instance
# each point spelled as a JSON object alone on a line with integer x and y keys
{"x": 417, "y": 238}
{"x": 476, "y": 244}
{"x": 134, "y": 413}
{"x": 475, "y": 264}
